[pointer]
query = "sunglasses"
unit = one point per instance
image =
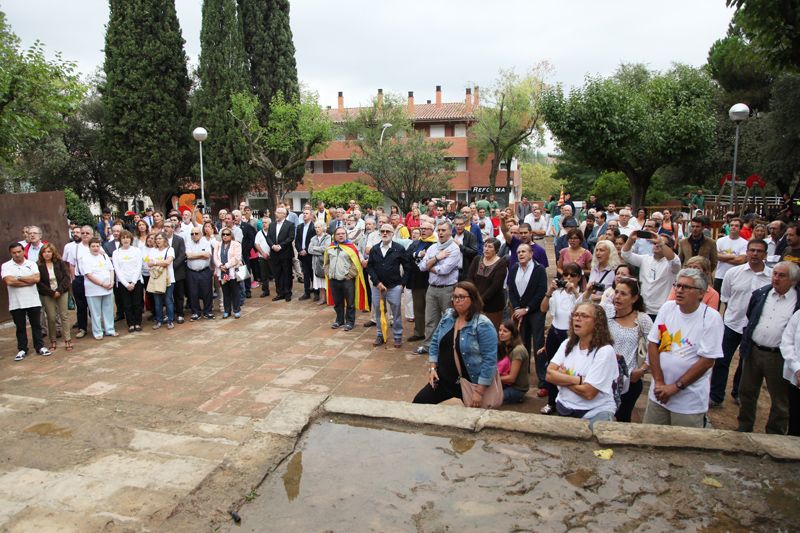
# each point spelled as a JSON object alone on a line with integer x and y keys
{"x": 226, "y": 234}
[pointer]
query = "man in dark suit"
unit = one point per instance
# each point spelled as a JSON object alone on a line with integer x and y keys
{"x": 248, "y": 243}
{"x": 301, "y": 241}
{"x": 279, "y": 238}
{"x": 179, "y": 266}
{"x": 468, "y": 244}
{"x": 527, "y": 285}
{"x": 110, "y": 246}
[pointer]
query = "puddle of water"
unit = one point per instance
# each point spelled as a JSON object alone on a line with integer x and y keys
{"x": 356, "y": 476}
{"x": 46, "y": 429}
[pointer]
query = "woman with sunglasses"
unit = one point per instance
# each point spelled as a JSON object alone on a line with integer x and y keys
{"x": 629, "y": 325}
{"x": 560, "y": 300}
{"x": 585, "y": 367}
{"x": 467, "y": 334}
{"x": 227, "y": 258}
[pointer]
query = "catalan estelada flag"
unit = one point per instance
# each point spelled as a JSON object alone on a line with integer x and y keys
{"x": 561, "y": 198}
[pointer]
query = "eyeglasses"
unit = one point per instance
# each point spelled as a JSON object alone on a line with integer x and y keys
{"x": 385, "y": 231}
{"x": 582, "y": 316}
{"x": 568, "y": 275}
{"x": 460, "y": 297}
{"x": 226, "y": 234}
{"x": 195, "y": 233}
{"x": 682, "y": 287}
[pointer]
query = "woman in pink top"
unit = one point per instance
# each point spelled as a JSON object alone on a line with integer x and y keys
{"x": 575, "y": 253}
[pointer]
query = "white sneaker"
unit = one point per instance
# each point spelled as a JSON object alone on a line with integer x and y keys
{"x": 44, "y": 351}
{"x": 20, "y": 356}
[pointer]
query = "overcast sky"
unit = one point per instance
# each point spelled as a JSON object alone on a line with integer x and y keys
{"x": 358, "y": 46}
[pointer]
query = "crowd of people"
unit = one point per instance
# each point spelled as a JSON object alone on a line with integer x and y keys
{"x": 631, "y": 295}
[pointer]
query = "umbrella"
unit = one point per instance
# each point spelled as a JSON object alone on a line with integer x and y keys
{"x": 384, "y": 321}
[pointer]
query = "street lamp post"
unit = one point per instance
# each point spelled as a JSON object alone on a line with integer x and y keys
{"x": 737, "y": 113}
{"x": 200, "y": 135}
{"x": 385, "y": 127}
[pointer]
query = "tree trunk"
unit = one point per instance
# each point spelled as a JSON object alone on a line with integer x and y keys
{"x": 639, "y": 186}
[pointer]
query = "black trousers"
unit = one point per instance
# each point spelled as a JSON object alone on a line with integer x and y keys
{"x": 82, "y": 306}
{"x": 282, "y": 269}
{"x": 794, "y": 410}
{"x": 34, "y": 315}
{"x": 255, "y": 271}
{"x": 132, "y": 303}
{"x": 230, "y": 297}
{"x": 554, "y": 339}
{"x": 308, "y": 272}
{"x": 198, "y": 285}
{"x": 179, "y": 296}
{"x": 266, "y": 274}
{"x": 344, "y": 300}
{"x": 440, "y": 394}
{"x": 532, "y": 334}
{"x": 628, "y": 401}
{"x": 118, "y": 302}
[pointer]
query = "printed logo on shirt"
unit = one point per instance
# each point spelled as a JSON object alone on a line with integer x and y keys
{"x": 673, "y": 342}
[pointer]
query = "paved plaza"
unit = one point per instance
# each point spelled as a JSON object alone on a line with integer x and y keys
{"x": 116, "y": 435}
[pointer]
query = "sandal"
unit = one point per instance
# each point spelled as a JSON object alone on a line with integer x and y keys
{"x": 68, "y": 345}
{"x": 53, "y": 346}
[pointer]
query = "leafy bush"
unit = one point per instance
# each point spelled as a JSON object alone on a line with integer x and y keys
{"x": 340, "y": 195}
{"x": 77, "y": 210}
{"x": 612, "y": 187}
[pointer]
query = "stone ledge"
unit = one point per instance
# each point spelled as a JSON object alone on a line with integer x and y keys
{"x": 551, "y": 426}
{"x": 434, "y": 415}
{"x": 782, "y": 447}
{"x": 608, "y": 433}
{"x": 292, "y": 415}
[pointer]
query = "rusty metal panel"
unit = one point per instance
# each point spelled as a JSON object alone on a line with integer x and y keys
{"x": 48, "y": 210}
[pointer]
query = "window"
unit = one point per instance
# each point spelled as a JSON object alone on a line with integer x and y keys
{"x": 340, "y": 165}
{"x": 437, "y": 130}
{"x": 460, "y": 130}
{"x": 461, "y": 164}
{"x": 318, "y": 167}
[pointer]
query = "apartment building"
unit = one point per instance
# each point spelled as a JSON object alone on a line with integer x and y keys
{"x": 437, "y": 120}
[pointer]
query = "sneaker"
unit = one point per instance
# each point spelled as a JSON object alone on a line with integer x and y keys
{"x": 225, "y": 315}
{"x": 98, "y": 337}
{"x": 421, "y": 350}
{"x": 194, "y": 317}
{"x": 369, "y": 323}
{"x": 378, "y": 342}
{"x": 335, "y": 325}
{"x": 348, "y": 327}
{"x": 170, "y": 325}
{"x": 179, "y": 320}
{"x": 131, "y": 329}
{"x": 44, "y": 351}
{"x": 157, "y": 325}
{"x": 237, "y": 315}
{"x": 254, "y": 285}
{"x": 209, "y": 317}
{"x": 547, "y": 410}
{"x": 20, "y": 355}
{"x": 81, "y": 334}
{"x": 137, "y": 327}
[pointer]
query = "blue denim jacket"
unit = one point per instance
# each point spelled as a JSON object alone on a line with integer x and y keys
{"x": 478, "y": 343}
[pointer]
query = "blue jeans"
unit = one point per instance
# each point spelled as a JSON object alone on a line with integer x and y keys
{"x": 391, "y": 299}
{"x": 512, "y": 394}
{"x": 102, "y": 310}
{"x": 164, "y": 299}
{"x": 719, "y": 375}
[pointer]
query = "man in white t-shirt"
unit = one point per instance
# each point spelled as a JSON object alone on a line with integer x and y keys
{"x": 731, "y": 251}
{"x": 737, "y": 288}
{"x": 656, "y": 271}
{"x": 21, "y": 276}
{"x": 685, "y": 340}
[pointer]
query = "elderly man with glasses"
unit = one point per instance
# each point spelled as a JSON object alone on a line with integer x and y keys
{"x": 198, "y": 274}
{"x": 685, "y": 340}
{"x": 386, "y": 266}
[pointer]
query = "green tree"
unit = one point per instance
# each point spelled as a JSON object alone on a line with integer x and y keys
{"x": 297, "y": 130}
{"x": 340, "y": 195}
{"x": 406, "y": 167}
{"x": 635, "y": 122}
{"x": 611, "y": 187}
{"x": 222, "y": 73}
{"x": 509, "y": 119}
{"x": 35, "y": 94}
{"x": 77, "y": 210}
{"x": 773, "y": 26}
{"x": 539, "y": 181}
{"x": 781, "y": 161}
{"x": 146, "y": 129}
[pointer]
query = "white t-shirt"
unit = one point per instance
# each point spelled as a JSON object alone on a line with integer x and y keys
{"x": 261, "y": 241}
{"x": 726, "y": 245}
{"x": 21, "y": 297}
{"x": 598, "y": 368}
{"x": 682, "y": 340}
{"x": 100, "y": 267}
{"x": 147, "y": 253}
{"x": 561, "y": 305}
{"x": 656, "y": 277}
{"x": 127, "y": 265}
{"x": 161, "y": 255}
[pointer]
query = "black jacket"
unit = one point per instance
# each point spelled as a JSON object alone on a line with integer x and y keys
{"x": 109, "y": 247}
{"x": 415, "y": 278}
{"x": 298, "y": 238}
{"x": 61, "y": 270}
{"x": 469, "y": 249}
{"x": 387, "y": 270}
{"x": 535, "y": 291}
{"x": 754, "y": 309}
{"x": 179, "y": 263}
{"x": 248, "y": 240}
{"x": 284, "y": 239}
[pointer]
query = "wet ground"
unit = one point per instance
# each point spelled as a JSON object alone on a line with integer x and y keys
{"x": 348, "y": 475}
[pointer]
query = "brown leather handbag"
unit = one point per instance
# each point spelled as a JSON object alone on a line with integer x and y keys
{"x": 492, "y": 396}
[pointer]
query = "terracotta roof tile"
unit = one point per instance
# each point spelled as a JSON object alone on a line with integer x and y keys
{"x": 422, "y": 112}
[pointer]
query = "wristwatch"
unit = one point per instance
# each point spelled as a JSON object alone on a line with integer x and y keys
{"x": 680, "y": 385}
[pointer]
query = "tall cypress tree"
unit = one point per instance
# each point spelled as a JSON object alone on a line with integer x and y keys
{"x": 222, "y": 73}
{"x": 270, "y": 50}
{"x": 146, "y": 127}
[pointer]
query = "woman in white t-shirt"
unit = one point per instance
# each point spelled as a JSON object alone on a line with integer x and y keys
{"x": 98, "y": 282}
{"x": 585, "y": 367}
{"x": 128, "y": 270}
{"x": 559, "y": 302}
{"x": 162, "y": 257}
